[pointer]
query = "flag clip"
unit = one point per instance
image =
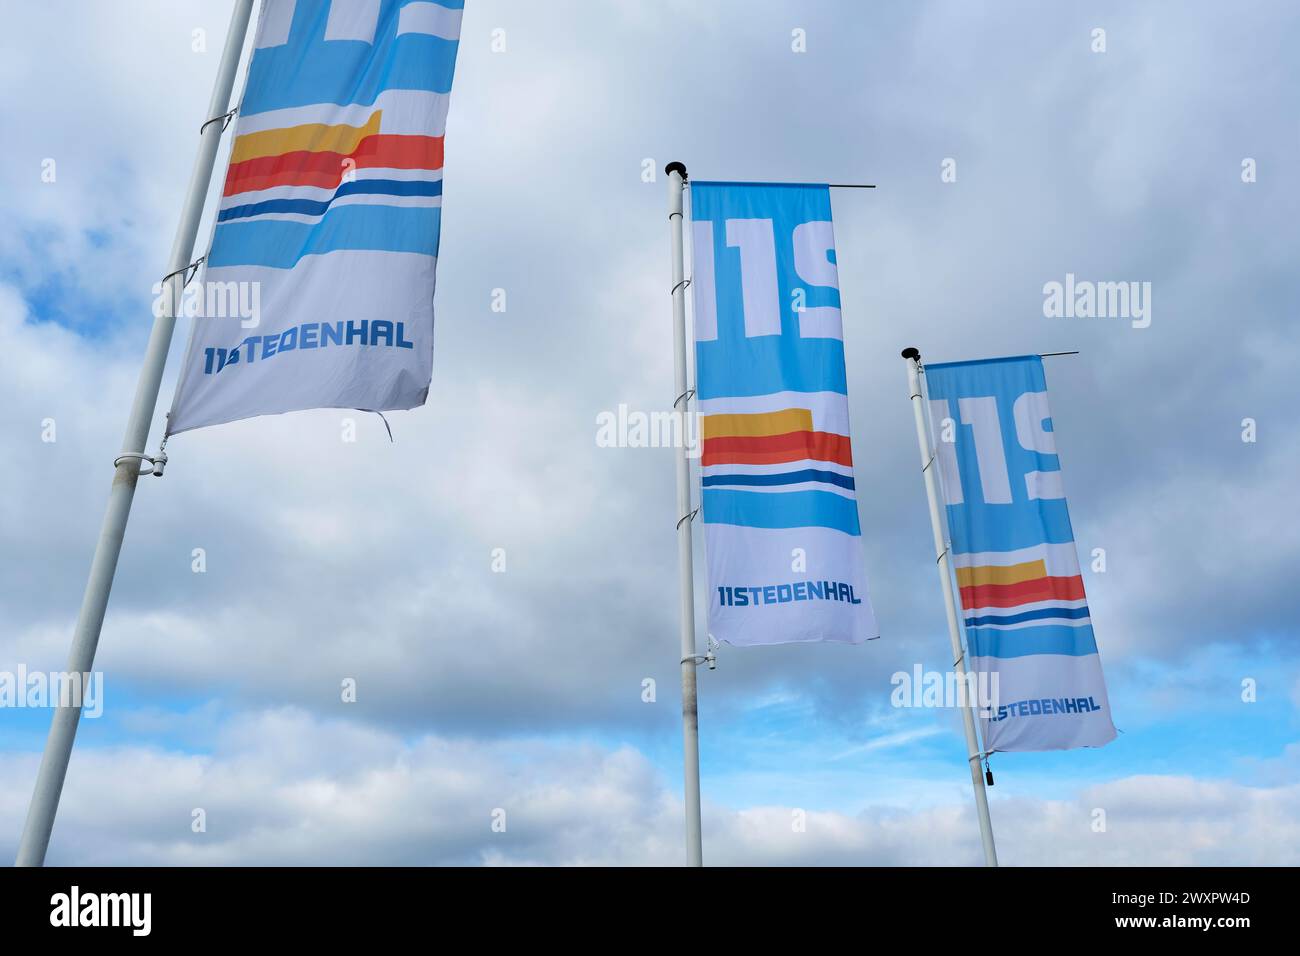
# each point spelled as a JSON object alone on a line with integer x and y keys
{"x": 710, "y": 658}
{"x": 224, "y": 119}
{"x": 156, "y": 464}
{"x": 983, "y": 758}
{"x": 186, "y": 273}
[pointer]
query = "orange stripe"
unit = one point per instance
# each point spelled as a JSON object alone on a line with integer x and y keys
{"x": 1001, "y": 574}
{"x": 307, "y": 138}
{"x": 758, "y": 425}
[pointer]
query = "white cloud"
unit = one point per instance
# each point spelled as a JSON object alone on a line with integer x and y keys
{"x": 282, "y": 787}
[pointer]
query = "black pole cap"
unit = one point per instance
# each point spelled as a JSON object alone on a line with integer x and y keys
{"x": 676, "y": 167}
{"x": 911, "y": 353}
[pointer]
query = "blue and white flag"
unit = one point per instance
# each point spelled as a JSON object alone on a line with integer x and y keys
{"x": 779, "y": 502}
{"x": 1026, "y": 617}
{"x": 318, "y": 288}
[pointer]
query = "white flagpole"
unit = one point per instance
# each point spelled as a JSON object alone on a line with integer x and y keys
{"x": 81, "y": 660}
{"x": 914, "y": 372}
{"x": 685, "y": 518}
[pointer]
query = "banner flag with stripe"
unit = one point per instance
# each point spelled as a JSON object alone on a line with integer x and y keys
{"x": 1024, "y": 610}
{"x": 318, "y": 285}
{"x": 779, "y": 502}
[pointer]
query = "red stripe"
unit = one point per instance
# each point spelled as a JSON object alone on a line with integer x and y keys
{"x": 1011, "y": 595}
{"x": 774, "y": 449}
{"x": 325, "y": 169}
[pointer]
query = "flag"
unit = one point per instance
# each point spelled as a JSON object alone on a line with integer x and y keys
{"x": 318, "y": 284}
{"x": 1023, "y": 605}
{"x": 778, "y": 502}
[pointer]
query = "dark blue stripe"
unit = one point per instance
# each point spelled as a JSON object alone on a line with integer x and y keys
{"x": 316, "y": 207}
{"x": 785, "y": 478}
{"x": 1071, "y": 613}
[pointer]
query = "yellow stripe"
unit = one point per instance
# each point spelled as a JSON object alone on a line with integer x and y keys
{"x": 758, "y": 425}
{"x": 311, "y": 137}
{"x": 1007, "y": 574}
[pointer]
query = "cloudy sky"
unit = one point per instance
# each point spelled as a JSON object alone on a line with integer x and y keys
{"x": 521, "y": 691}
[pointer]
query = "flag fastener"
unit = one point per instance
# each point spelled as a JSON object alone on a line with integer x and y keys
{"x": 983, "y": 758}
{"x": 710, "y": 658}
{"x": 187, "y": 273}
{"x": 224, "y": 119}
{"x": 156, "y": 464}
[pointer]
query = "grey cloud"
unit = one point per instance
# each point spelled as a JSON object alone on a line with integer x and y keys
{"x": 372, "y": 560}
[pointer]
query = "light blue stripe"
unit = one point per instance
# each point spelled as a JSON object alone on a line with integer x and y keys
{"x": 789, "y": 509}
{"x": 279, "y": 244}
{"x": 1049, "y": 639}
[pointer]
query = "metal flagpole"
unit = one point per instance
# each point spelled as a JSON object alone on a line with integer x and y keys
{"x": 914, "y": 372}
{"x": 685, "y": 518}
{"x": 63, "y": 727}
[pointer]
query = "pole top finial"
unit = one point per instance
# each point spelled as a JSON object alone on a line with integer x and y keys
{"x": 675, "y": 166}
{"x": 912, "y": 353}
